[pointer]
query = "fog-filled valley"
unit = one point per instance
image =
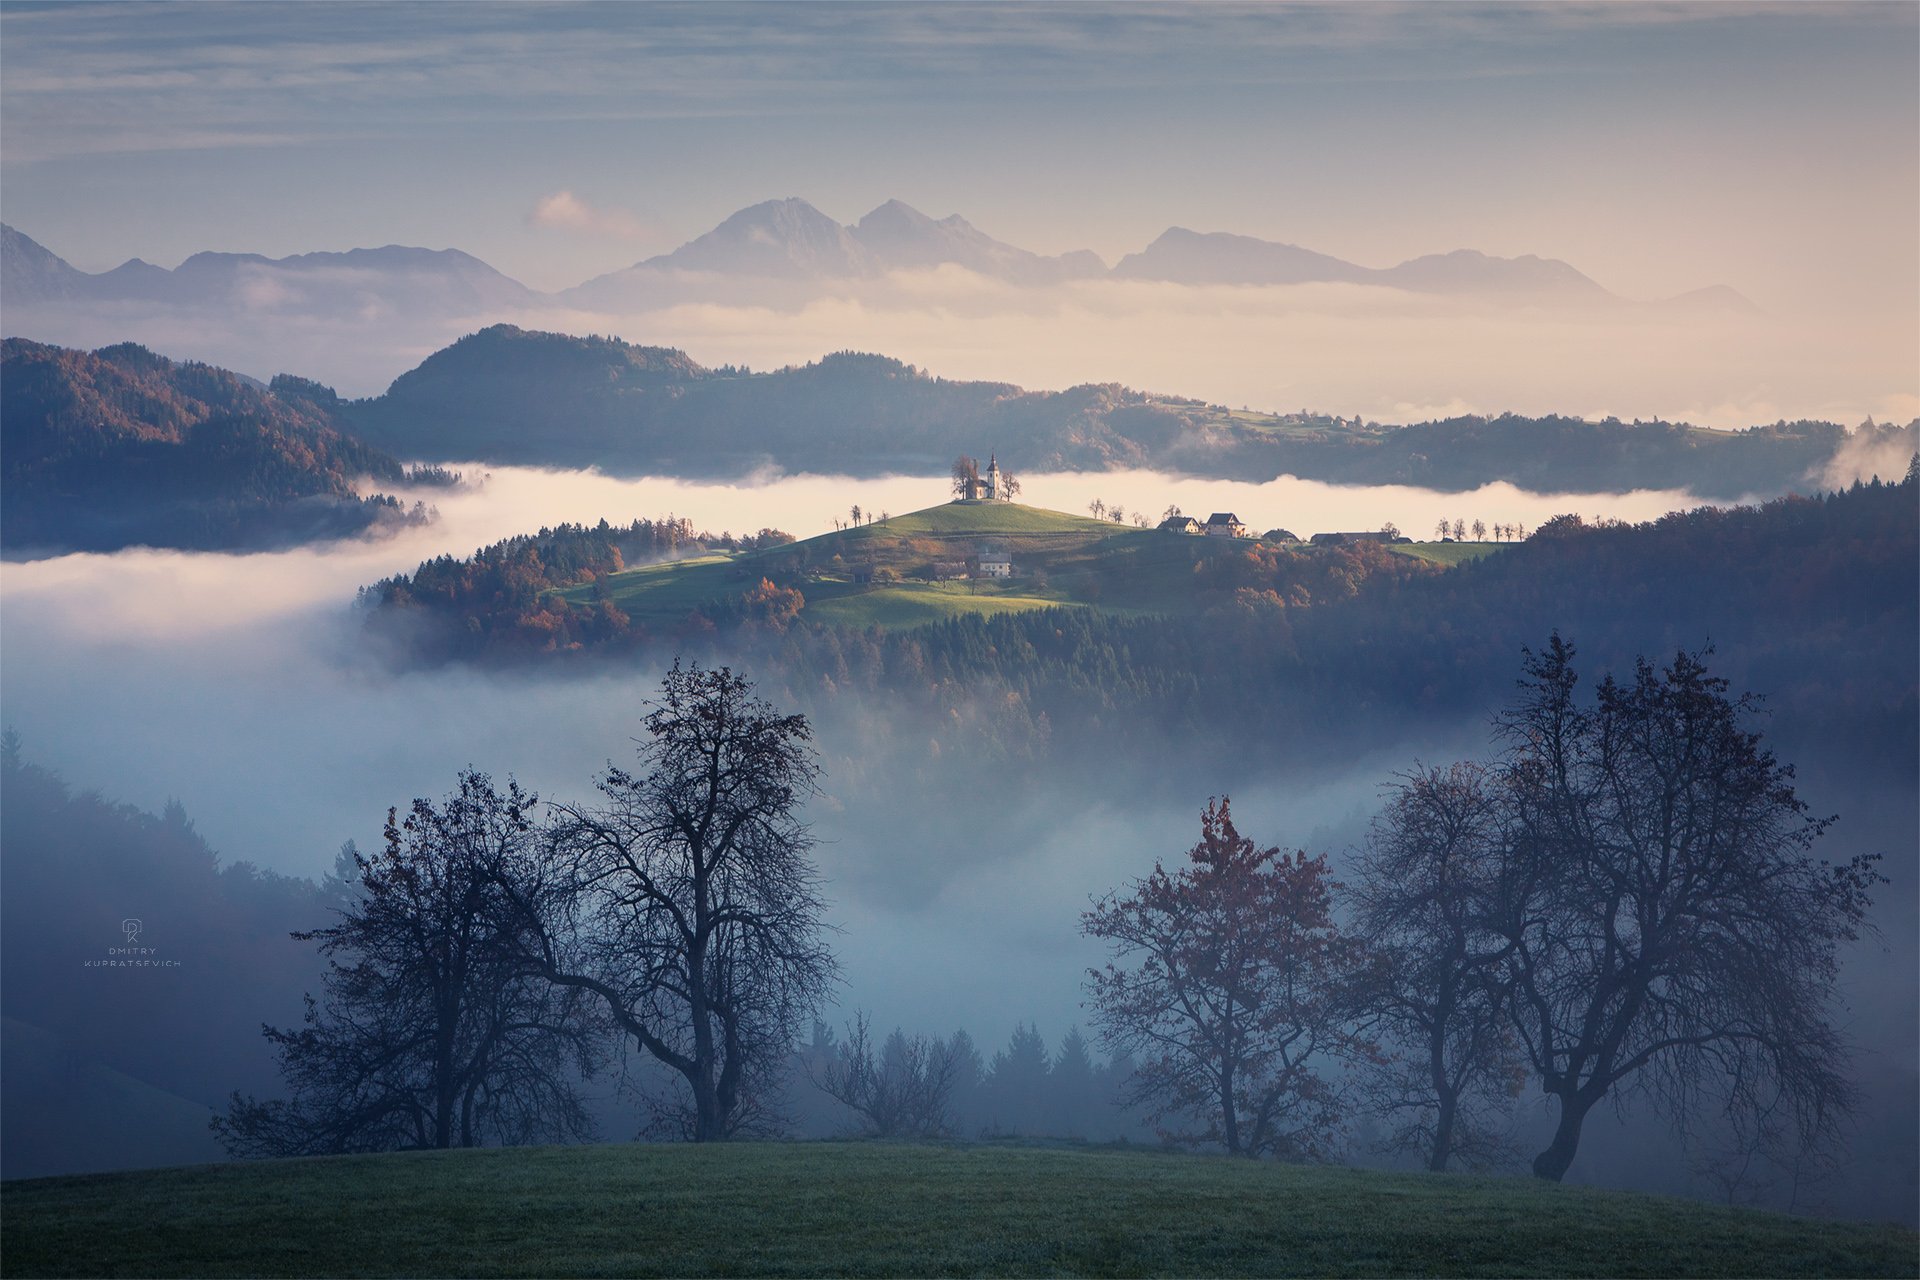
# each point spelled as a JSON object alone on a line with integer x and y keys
{"x": 922, "y": 639}
{"x": 183, "y": 628}
{"x": 963, "y": 828}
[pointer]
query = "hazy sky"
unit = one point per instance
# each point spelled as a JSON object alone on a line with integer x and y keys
{"x": 1658, "y": 147}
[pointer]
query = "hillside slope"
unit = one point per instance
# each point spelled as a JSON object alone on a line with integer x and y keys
{"x": 873, "y": 1209}
{"x": 508, "y": 395}
{"x": 118, "y": 447}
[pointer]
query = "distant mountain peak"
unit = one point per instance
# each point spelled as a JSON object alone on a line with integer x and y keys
{"x": 895, "y": 207}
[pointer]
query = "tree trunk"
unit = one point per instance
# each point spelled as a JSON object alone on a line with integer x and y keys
{"x": 1443, "y": 1088}
{"x": 1552, "y": 1164}
{"x": 1443, "y": 1131}
{"x": 709, "y": 1121}
{"x": 1229, "y": 1118}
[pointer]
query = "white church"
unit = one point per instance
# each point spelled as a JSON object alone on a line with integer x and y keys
{"x": 990, "y": 486}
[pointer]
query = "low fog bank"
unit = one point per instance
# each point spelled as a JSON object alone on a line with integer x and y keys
{"x": 238, "y": 684}
{"x": 1385, "y": 354}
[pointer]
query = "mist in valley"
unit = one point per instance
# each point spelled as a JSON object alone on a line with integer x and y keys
{"x": 243, "y": 687}
{"x": 111, "y": 659}
{"x": 1382, "y": 353}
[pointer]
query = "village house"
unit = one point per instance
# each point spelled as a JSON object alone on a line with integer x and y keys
{"x": 1180, "y": 524}
{"x": 1225, "y": 524}
{"x": 995, "y": 561}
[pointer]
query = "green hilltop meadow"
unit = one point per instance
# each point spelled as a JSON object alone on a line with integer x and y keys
{"x": 844, "y": 1208}
{"x": 922, "y": 567}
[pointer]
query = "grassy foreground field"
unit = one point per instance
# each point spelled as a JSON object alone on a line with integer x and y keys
{"x": 872, "y": 1209}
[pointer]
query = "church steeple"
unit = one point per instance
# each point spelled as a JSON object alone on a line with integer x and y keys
{"x": 993, "y": 477}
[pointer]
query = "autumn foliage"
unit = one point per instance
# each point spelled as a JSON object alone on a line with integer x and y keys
{"x": 1230, "y": 983}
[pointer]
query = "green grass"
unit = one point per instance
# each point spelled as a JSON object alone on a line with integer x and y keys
{"x": 1060, "y": 559}
{"x": 988, "y": 519}
{"x": 872, "y": 1209}
{"x": 1447, "y": 553}
{"x": 915, "y": 604}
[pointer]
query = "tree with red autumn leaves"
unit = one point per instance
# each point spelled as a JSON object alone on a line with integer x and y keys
{"x": 1230, "y": 987}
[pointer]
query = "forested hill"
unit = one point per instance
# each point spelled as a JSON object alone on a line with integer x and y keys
{"x": 121, "y": 447}
{"x": 1274, "y": 651}
{"x": 507, "y": 395}
{"x": 1812, "y": 602}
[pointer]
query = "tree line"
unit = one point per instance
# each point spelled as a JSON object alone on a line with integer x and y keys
{"x": 500, "y": 602}
{"x": 1623, "y": 902}
{"x": 602, "y": 402}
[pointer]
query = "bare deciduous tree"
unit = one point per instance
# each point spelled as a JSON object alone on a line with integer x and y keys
{"x": 695, "y": 915}
{"x": 902, "y": 1089}
{"x": 1424, "y": 899}
{"x": 966, "y": 476}
{"x": 431, "y": 1031}
{"x": 1668, "y": 932}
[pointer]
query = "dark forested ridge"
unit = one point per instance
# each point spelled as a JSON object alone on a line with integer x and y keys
{"x": 122, "y": 447}
{"x": 507, "y": 395}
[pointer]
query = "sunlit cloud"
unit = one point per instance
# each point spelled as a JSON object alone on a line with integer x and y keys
{"x": 564, "y": 211}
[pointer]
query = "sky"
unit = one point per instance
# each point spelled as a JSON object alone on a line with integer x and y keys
{"x": 1658, "y": 147}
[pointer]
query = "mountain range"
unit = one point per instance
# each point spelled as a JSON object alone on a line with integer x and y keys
{"x": 786, "y": 243}
{"x": 392, "y": 279}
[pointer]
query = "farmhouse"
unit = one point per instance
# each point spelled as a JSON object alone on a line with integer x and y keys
{"x": 1225, "y": 524}
{"x": 1180, "y": 524}
{"x": 995, "y": 561}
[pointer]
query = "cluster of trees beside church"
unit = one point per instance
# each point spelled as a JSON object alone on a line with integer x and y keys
{"x": 1623, "y": 902}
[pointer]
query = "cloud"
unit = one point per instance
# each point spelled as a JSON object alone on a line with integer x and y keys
{"x": 564, "y": 211}
{"x": 1869, "y": 452}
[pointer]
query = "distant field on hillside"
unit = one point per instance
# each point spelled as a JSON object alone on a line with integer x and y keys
{"x": 890, "y": 573}
{"x": 879, "y": 1209}
{"x": 1448, "y": 553}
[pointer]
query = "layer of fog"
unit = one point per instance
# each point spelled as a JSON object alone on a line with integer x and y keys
{"x": 236, "y": 684}
{"x": 1385, "y": 354}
